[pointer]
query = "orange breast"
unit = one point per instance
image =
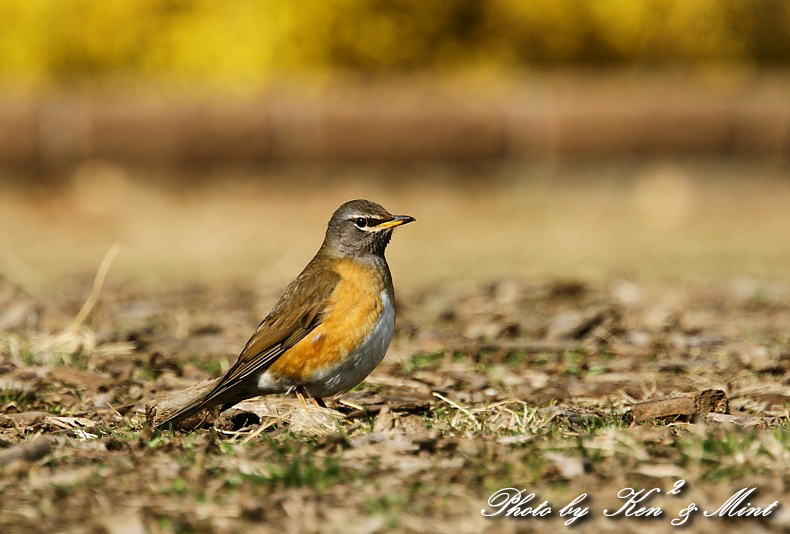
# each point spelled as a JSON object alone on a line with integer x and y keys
{"x": 354, "y": 307}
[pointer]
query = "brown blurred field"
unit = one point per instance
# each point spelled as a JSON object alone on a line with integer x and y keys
{"x": 692, "y": 220}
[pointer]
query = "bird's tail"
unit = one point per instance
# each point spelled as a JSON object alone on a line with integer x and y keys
{"x": 218, "y": 393}
{"x": 187, "y": 411}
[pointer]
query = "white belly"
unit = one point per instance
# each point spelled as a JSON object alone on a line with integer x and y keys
{"x": 360, "y": 363}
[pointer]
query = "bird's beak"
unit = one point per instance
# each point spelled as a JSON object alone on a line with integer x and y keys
{"x": 396, "y": 220}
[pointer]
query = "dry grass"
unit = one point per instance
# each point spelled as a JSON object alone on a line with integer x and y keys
{"x": 524, "y": 381}
{"x": 485, "y": 387}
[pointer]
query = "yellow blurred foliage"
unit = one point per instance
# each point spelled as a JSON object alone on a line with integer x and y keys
{"x": 231, "y": 43}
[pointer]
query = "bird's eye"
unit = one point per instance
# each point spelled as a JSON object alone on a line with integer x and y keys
{"x": 361, "y": 222}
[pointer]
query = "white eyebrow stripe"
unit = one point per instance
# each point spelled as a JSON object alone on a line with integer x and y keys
{"x": 367, "y": 228}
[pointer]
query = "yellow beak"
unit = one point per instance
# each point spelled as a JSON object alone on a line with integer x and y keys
{"x": 396, "y": 220}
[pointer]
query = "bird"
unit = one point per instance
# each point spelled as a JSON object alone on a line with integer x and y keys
{"x": 330, "y": 328}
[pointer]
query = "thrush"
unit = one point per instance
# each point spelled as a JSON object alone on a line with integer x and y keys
{"x": 332, "y": 325}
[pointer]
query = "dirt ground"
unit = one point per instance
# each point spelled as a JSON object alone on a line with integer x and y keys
{"x": 498, "y": 377}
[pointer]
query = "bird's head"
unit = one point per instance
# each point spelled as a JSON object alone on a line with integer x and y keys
{"x": 359, "y": 228}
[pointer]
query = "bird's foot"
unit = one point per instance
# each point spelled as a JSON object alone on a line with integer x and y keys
{"x": 303, "y": 395}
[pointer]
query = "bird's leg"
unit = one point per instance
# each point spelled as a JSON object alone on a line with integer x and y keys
{"x": 303, "y": 395}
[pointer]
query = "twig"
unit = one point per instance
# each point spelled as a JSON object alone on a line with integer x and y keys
{"x": 93, "y": 296}
{"x": 116, "y": 411}
{"x": 352, "y": 405}
{"x": 254, "y": 434}
{"x": 457, "y": 406}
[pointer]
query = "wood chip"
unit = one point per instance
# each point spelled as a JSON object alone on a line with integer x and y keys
{"x": 22, "y": 419}
{"x": 689, "y": 404}
{"x": 160, "y": 409}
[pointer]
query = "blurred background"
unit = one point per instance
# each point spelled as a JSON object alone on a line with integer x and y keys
{"x": 562, "y": 138}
